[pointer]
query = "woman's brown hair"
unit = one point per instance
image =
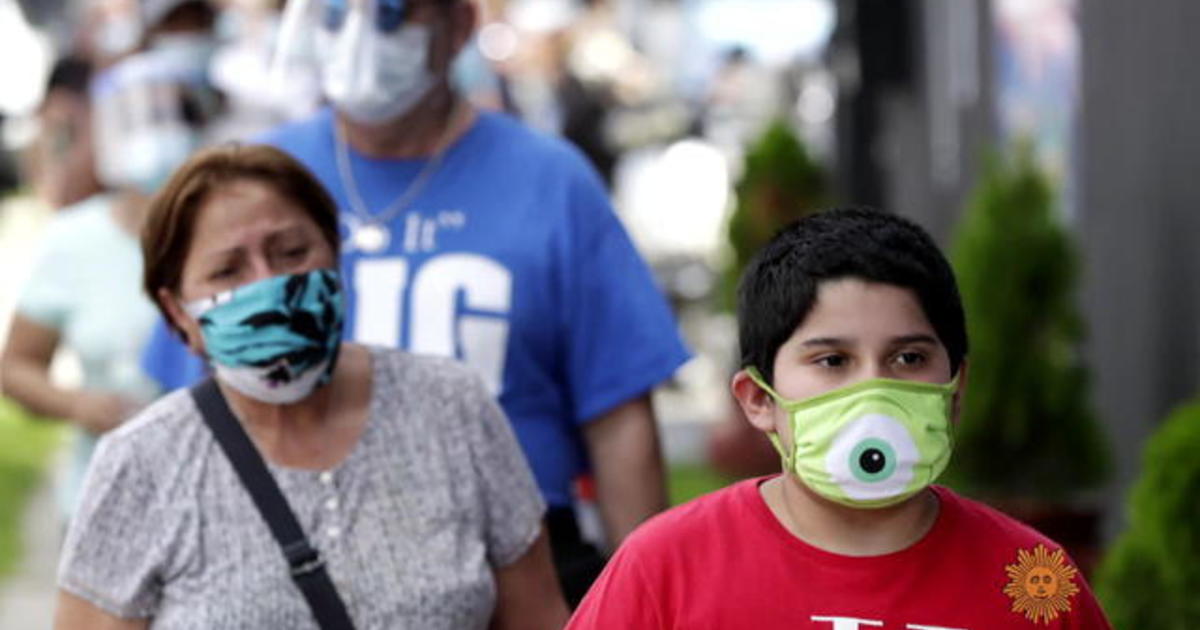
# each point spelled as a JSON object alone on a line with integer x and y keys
{"x": 167, "y": 231}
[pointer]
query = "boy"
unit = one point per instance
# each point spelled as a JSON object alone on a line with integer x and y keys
{"x": 854, "y": 362}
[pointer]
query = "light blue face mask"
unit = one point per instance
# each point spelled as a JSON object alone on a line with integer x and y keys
{"x": 375, "y": 66}
{"x": 277, "y": 339}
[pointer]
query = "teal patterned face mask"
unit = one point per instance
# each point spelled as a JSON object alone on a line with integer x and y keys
{"x": 868, "y": 445}
{"x": 277, "y": 339}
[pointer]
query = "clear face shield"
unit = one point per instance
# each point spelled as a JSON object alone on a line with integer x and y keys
{"x": 149, "y": 113}
{"x": 373, "y": 61}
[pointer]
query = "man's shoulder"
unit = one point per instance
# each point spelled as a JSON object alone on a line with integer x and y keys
{"x": 504, "y": 130}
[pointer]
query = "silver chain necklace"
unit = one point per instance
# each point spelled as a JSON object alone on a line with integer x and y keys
{"x": 369, "y": 233}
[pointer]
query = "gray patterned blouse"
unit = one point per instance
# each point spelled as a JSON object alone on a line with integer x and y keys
{"x": 435, "y": 495}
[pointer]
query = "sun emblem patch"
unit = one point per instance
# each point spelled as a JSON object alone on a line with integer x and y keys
{"x": 1041, "y": 584}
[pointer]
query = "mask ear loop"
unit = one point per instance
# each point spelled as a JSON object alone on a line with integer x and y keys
{"x": 773, "y": 436}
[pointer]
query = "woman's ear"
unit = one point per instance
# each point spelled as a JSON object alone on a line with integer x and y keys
{"x": 181, "y": 321}
{"x": 956, "y": 403}
{"x": 755, "y": 402}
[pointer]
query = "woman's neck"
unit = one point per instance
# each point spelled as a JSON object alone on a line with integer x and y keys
{"x": 849, "y": 531}
{"x": 433, "y": 124}
{"x": 318, "y": 431}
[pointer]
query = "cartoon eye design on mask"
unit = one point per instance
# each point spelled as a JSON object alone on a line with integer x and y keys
{"x": 872, "y": 458}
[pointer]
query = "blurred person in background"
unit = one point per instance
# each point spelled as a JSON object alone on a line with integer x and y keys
{"x": 111, "y": 30}
{"x": 82, "y": 295}
{"x": 63, "y": 164}
{"x": 148, "y": 114}
{"x": 574, "y": 72}
{"x": 584, "y": 104}
{"x": 246, "y": 31}
{"x": 469, "y": 235}
{"x": 403, "y": 470}
{"x": 107, "y": 30}
{"x": 743, "y": 97}
{"x": 155, "y": 106}
{"x": 178, "y": 26}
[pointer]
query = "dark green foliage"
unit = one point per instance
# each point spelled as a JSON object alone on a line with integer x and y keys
{"x": 780, "y": 183}
{"x": 1150, "y": 578}
{"x": 1026, "y": 428}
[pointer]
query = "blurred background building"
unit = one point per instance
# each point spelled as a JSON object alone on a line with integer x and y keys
{"x": 900, "y": 104}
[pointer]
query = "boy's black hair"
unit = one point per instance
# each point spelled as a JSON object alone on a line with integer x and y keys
{"x": 779, "y": 286}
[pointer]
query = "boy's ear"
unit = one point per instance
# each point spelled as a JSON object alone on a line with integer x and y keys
{"x": 956, "y": 403}
{"x": 756, "y": 403}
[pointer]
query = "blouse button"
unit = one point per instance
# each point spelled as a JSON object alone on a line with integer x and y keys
{"x": 326, "y": 478}
{"x": 333, "y": 532}
{"x": 331, "y": 504}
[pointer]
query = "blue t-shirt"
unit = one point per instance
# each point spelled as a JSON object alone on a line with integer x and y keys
{"x": 511, "y": 259}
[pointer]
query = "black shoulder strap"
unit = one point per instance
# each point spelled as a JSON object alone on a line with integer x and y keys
{"x": 307, "y": 565}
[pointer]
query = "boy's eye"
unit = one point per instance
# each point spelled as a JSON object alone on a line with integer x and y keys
{"x": 831, "y": 361}
{"x": 910, "y": 358}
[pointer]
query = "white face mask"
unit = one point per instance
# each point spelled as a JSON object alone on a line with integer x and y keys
{"x": 147, "y": 157}
{"x": 186, "y": 52}
{"x": 117, "y": 35}
{"x": 249, "y": 381}
{"x": 374, "y": 77}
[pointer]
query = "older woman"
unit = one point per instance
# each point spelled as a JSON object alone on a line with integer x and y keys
{"x": 401, "y": 470}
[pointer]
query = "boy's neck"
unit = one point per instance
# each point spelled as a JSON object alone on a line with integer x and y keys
{"x": 849, "y": 531}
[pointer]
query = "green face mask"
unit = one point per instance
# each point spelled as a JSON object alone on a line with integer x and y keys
{"x": 869, "y": 445}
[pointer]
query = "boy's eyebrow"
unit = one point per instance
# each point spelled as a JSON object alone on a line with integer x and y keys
{"x": 842, "y": 341}
{"x": 824, "y": 341}
{"x": 916, "y": 338}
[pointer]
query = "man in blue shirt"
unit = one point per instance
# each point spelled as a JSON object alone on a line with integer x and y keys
{"x": 469, "y": 235}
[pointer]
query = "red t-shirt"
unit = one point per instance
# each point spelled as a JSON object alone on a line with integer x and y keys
{"x": 724, "y": 561}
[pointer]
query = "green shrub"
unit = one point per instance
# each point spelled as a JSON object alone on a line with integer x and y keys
{"x": 688, "y": 481}
{"x": 25, "y": 444}
{"x": 1150, "y": 577}
{"x": 1026, "y": 428}
{"x": 779, "y": 183}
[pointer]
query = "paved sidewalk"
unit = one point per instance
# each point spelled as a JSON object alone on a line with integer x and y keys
{"x": 27, "y": 597}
